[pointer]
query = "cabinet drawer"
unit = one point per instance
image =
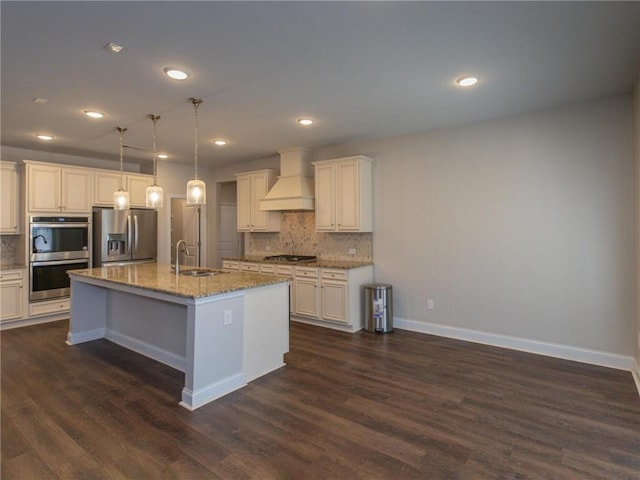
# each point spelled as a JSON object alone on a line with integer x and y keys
{"x": 49, "y": 307}
{"x": 334, "y": 274}
{"x": 228, "y": 265}
{"x": 250, "y": 267}
{"x": 271, "y": 269}
{"x": 7, "y": 275}
{"x": 306, "y": 272}
{"x": 286, "y": 270}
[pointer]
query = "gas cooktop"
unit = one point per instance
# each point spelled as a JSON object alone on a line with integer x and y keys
{"x": 291, "y": 258}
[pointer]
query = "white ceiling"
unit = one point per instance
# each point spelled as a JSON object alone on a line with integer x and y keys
{"x": 361, "y": 69}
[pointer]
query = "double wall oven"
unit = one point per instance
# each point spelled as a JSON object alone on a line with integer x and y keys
{"x": 58, "y": 244}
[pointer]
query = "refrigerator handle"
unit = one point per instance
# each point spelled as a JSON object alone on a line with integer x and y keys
{"x": 129, "y": 235}
{"x": 135, "y": 234}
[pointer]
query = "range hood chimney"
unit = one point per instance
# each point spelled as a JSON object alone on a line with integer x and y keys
{"x": 294, "y": 189}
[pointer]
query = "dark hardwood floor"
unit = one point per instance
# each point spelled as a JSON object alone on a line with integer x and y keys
{"x": 359, "y": 406}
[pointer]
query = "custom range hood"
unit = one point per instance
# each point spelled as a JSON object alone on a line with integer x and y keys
{"x": 294, "y": 189}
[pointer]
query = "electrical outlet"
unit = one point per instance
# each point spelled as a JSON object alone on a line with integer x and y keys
{"x": 429, "y": 303}
{"x": 352, "y": 251}
{"x": 227, "y": 317}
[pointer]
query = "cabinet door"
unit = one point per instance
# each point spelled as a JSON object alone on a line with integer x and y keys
{"x": 259, "y": 190}
{"x": 11, "y": 300}
{"x": 8, "y": 199}
{"x": 104, "y": 184}
{"x": 348, "y": 195}
{"x": 334, "y": 301}
{"x": 325, "y": 197}
{"x": 306, "y": 297}
{"x": 43, "y": 183}
{"x": 76, "y": 190}
{"x": 243, "y": 193}
{"x": 137, "y": 187}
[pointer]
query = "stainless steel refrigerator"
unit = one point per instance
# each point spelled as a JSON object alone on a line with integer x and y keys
{"x": 124, "y": 236}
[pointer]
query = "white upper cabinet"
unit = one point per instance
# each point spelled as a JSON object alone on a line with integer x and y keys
{"x": 52, "y": 188}
{"x": 137, "y": 187}
{"x": 344, "y": 194}
{"x": 9, "y": 198}
{"x": 251, "y": 188}
{"x": 106, "y": 182}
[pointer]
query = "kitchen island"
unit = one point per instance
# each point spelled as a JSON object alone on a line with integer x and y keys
{"x": 222, "y": 330}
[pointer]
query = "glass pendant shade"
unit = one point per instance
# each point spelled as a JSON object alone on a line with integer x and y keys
{"x": 120, "y": 196}
{"x": 154, "y": 196}
{"x": 196, "y": 189}
{"x": 120, "y": 200}
{"x": 196, "y": 192}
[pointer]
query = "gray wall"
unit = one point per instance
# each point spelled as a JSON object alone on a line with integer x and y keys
{"x": 521, "y": 226}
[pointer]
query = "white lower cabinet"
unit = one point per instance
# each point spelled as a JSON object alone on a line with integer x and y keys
{"x": 49, "y": 307}
{"x": 250, "y": 267}
{"x": 334, "y": 296}
{"x": 307, "y": 292}
{"x": 12, "y": 295}
{"x": 230, "y": 265}
{"x": 329, "y": 297}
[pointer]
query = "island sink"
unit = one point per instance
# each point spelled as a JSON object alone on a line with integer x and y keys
{"x": 202, "y": 273}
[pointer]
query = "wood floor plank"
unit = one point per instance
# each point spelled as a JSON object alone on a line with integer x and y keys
{"x": 345, "y": 406}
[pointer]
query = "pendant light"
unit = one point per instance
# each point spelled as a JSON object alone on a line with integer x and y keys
{"x": 154, "y": 193}
{"x": 120, "y": 196}
{"x": 196, "y": 189}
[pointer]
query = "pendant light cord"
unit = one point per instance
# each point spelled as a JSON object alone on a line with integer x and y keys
{"x": 121, "y": 130}
{"x": 196, "y": 102}
{"x": 155, "y": 119}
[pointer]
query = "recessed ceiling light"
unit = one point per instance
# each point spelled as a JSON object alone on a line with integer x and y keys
{"x": 93, "y": 114}
{"x": 163, "y": 156}
{"x": 221, "y": 142}
{"x": 175, "y": 73}
{"x": 44, "y": 136}
{"x": 466, "y": 80}
{"x": 305, "y": 121}
{"x": 112, "y": 47}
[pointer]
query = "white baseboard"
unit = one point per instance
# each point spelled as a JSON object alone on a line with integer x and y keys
{"x": 88, "y": 336}
{"x": 594, "y": 357}
{"x": 636, "y": 374}
{"x": 192, "y": 400}
{"x": 28, "y": 321}
{"x": 146, "y": 349}
{"x": 320, "y": 323}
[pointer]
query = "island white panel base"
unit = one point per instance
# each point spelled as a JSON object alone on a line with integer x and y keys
{"x": 266, "y": 329}
{"x": 220, "y": 342}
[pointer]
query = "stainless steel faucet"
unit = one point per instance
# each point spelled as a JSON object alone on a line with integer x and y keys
{"x": 186, "y": 250}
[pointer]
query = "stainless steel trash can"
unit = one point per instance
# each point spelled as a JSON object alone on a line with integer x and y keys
{"x": 378, "y": 308}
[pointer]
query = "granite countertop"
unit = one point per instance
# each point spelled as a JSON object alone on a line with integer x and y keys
{"x": 319, "y": 263}
{"x": 12, "y": 266}
{"x": 159, "y": 277}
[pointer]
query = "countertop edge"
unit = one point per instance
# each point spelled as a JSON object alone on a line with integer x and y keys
{"x": 335, "y": 264}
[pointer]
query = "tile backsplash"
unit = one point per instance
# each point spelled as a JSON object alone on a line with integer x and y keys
{"x": 298, "y": 236}
{"x": 8, "y": 248}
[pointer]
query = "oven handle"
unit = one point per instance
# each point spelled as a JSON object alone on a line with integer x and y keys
{"x": 59, "y": 262}
{"x": 59, "y": 225}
